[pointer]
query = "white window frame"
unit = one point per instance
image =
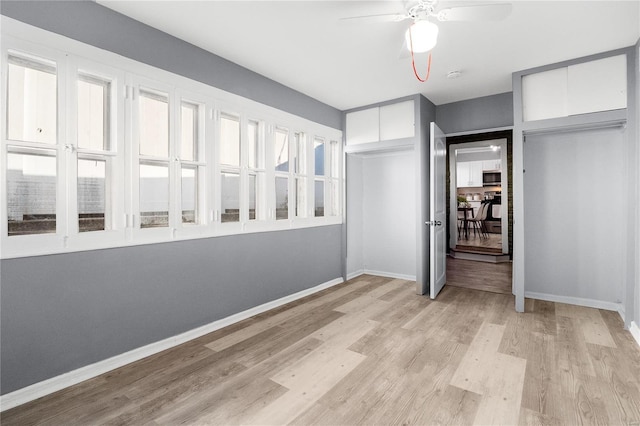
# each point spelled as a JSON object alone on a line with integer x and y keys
{"x": 127, "y": 76}
{"x": 115, "y": 155}
{"x": 201, "y": 163}
{"x": 141, "y": 84}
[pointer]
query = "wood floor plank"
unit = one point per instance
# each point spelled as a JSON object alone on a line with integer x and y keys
{"x": 472, "y": 372}
{"x": 501, "y": 399}
{"x": 259, "y": 327}
{"x": 307, "y": 380}
{"x": 373, "y": 352}
{"x": 572, "y": 347}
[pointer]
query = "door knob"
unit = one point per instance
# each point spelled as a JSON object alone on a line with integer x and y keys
{"x": 433, "y": 223}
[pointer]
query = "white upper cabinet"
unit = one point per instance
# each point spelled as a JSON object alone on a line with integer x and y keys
{"x": 598, "y": 85}
{"x": 544, "y": 95}
{"x": 491, "y": 165}
{"x": 594, "y": 86}
{"x": 363, "y": 126}
{"x": 397, "y": 121}
{"x": 469, "y": 174}
{"x": 388, "y": 122}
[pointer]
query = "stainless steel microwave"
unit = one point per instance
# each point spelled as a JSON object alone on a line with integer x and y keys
{"x": 491, "y": 178}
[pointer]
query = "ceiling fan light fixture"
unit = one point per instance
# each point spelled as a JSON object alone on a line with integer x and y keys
{"x": 422, "y": 36}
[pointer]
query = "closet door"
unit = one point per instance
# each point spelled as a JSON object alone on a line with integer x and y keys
{"x": 574, "y": 192}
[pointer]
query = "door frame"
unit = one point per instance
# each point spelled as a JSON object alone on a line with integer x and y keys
{"x": 483, "y": 136}
{"x": 505, "y": 182}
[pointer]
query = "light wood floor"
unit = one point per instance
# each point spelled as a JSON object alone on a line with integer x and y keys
{"x": 372, "y": 352}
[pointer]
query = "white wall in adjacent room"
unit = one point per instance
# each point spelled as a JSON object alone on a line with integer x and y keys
{"x": 389, "y": 213}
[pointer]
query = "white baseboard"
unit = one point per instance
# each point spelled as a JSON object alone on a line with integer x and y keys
{"x": 589, "y": 303}
{"x": 355, "y": 274}
{"x": 390, "y": 275}
{"x": 65, "y": 380}
{"x": 635, "y": 331}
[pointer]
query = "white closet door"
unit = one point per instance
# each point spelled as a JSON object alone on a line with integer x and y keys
{"x": 574, "y": 186}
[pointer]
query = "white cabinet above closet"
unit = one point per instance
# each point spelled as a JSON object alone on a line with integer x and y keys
{"x": 594, "y": 86}
{"x": 384, "y": 123}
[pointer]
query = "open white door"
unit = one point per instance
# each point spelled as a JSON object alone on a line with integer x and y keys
{"x": 438, "y": 212}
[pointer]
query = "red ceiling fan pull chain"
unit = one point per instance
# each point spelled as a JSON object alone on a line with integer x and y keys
{"x": 413, "y": 62}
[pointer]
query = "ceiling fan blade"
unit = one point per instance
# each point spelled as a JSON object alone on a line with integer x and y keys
{"x": 386, "y": 17}
{"x": 484, "y": 12}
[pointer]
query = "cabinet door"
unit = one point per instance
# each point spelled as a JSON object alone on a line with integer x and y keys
{"x": 491, "y": 165}
{"x": 475, "y": 173}
{"x": 462, "y": 175}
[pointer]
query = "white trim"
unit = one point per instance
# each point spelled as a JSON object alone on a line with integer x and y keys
{"x": 390, "y": 275}
{"x": 475, "y": 132}
{"x": 635, "y": 331}
{"x": 589, "y": 303}
{"x": 54, "y": 384}
{"x": 355, "y": 274}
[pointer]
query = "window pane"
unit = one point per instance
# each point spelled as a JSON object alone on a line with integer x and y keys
{"x": 281, "y": 150}
{"x": 319, "y": 201}
{"x": 253, "y": 197}
{"x": 230, "y": 141}
{"x": 32, "y": 97}
{"x": 154, "y": 195}
{"x": 31, "y": 193}
{"x": 301, "y": 153}
{"x": 189, "y": 132}
{"x": 301, "y": 197}
{"x": 189, "y": 194}
{"x": 318, "y": 154}
{"x": 253, "y": 138}
{"x": 154, "y": 125}
{"x": 282, "y": 198}
{"x": 92, "y": 194}
{"x": 335, "y": 159}
{"x": 230, "y": 197}
{"x": 93, "y": 113}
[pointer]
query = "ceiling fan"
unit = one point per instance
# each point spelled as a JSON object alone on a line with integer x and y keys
{"x": 422, "y": 35}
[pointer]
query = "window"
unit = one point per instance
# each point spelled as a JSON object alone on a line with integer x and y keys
{"x": 320, "y": 181}
{"x": 192, "y": 166}
{"x": 281, "y": 151}
{"x": 94, "y": 154}
{"x": 230, "y": 168}
{"x": 31, "y": 191}
{"x": 255, "y": 169}
{"x": 153, "y": 127}
{"x": 32, "y": 100}
{"x": 98, "y": 156}
{"x": 32, "y": 157}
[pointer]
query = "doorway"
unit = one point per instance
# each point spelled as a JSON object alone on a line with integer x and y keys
{"x": 480, "y": 211}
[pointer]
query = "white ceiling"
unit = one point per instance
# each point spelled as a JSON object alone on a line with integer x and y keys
{"x": 303, "y": 44}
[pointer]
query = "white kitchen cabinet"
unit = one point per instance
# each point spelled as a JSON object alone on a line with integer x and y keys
{"x": 491, "y": 165}
{"x": 469, "y": 174}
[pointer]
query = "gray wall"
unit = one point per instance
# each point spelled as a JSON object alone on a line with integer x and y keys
{"x": 99, "y": 26}
{"x": 488, "y": 112}
{"x": 62, "y": 312}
